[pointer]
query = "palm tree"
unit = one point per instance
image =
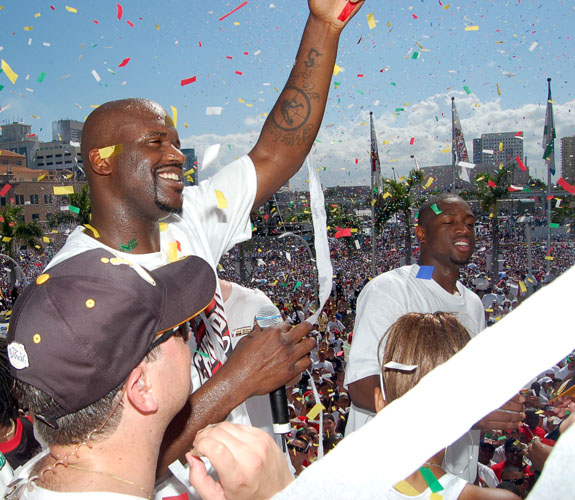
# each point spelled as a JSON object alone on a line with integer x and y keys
{"x": 15, "y": 230}
{"x": 82, "y": 202}
{"x": 402, "y": 200}
{"x": 490, "y": 189}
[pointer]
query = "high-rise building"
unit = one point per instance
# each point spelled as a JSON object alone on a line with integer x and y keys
{"x": 57, "y": 155}
{"x": 498, "y": 148}
{"x": 18, "y": 137}
{"x": 190, "y": 167}
{"x": 67, "y": 131}
{"x": 568, "y": 159}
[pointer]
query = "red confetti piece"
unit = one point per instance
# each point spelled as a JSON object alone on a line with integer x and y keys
{"x": 130, "y": 23}
{"x": 491, "y": 184}
{"x": 550, "y": 197}
{"x": 200, "y": 44}
{"x": 120, "y": 12}
{"x": 566, "y": 186}
{"x": 124, "y": 62}
{"x": 550, "y": 250}
{"x": 31, "y": 135}
{"x": 346, "y": 12}
{"x": 412, "y": 141}
{"x": 246, "y": 53}
{"x": 5, "y": 190}
{"x": 414, "y": 16}
{"x": 52, "y": 7}
{"x": 232, "y": 11}
{"x": 96, "y": 21}
{"x": 179, "y": 245}
{"x": 229, "y": 57}
{"x": 343, "y": 233}
{"x": 239, "y": 73}
{"x": 360, "y": 75}
{"x": 521, "y": 164}
{"x": 187, "y": 81}
{"x": 519, "y": 134}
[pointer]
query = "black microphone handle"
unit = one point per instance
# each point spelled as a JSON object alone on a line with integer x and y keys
{"x": 280, "y": 412}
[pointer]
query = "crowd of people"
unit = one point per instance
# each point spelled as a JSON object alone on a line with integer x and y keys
{"x": 133, "y": 358}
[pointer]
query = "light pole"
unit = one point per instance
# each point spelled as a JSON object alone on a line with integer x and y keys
{"x": 527, "y": 219}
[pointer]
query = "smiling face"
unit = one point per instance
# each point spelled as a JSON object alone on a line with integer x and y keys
{"x": 448, "y": 238}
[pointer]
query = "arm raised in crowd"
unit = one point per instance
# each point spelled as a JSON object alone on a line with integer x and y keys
{"x": 293, "y": 123}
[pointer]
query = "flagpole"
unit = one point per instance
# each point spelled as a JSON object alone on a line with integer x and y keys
{"x": 549, "y": 156}
{"x": 453, "y": 145}
{"x": 372, "y": 191}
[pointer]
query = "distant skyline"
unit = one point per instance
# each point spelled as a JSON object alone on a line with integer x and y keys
{"x": 493, "y": 57}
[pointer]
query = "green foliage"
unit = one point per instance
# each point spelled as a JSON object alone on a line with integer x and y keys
{"x": 14, "y": 227}
{"x": 82, "y": 201}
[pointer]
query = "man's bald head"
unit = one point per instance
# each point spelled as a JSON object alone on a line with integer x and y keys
{"x": 103, "y": 127}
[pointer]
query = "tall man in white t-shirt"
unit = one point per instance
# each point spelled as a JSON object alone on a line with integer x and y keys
{"x": 446, "y": 236}
{"x": 134, "y": 168}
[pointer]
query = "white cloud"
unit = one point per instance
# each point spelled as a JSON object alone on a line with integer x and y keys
{"x": 427, "y": 121}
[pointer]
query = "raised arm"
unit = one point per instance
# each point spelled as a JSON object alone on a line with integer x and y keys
{"x": 293, "y": 124}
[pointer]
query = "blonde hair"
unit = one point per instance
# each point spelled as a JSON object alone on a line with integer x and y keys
{"x": 423, "y": 339}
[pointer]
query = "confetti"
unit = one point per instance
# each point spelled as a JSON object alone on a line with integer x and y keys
{"x": 521, "y": 164}
{"x": 425, "y": 273}
{"x": 74, "y": 209}
{"x": 120, "y": 12}
{"x": 336, "y": 69}
{"x": 346, "y": 12}
{"x": 315, "y": 411}
{"x": 498, "y": 89}
{"x": 523, "y": 287}
{"x": 232, "y": 11}
{"x": 124, "y": 62}
{"x": 566, "y": 186}
{"x": 429, "y": 182}
{"x": 175, "y": 115}
{"x": 222, "y": 202}
{"x": 467, "y": 91}
{"x": 96, "y": 75}
{"x": 93, "y": 229}
{"x": 214, "y": 110}
{"x": 5, "y": 189}
{"x": 41, "y": 77}
{"x": 187, "y": 81}
{"x": 109, "y": 151}
{"x": 173, "y": 251}
{"x": 533, "y": 46}
{"x": 371, "y": 21}
{"x": 436, "y": 209}
{"x": 472, "y": 28}
{"x": 73, "y": 10}
{"x": 61, "y": 190}
{"x": 415, "y": 55}
{"x": 12, "y": 76}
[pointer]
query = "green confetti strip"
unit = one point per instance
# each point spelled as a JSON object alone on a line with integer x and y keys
{"x": 554, "y": 224}
{"x": 202, "y": 353}
{"x": 429, "y": 478}
{"x": 467, "y": 91}
{"x": 415, "y": 55}
{"x": 41, "y": 77}
{"x": 436, "y": 209}
{"x": 74, "y": 209}
{"x": 133, "y": 243}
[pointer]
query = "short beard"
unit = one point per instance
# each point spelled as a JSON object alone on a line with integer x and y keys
{"x": 168, "y": 208}
{"x": 459, "y": 262}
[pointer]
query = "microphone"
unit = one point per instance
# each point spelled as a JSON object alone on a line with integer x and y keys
{"x": 270, "y": 315}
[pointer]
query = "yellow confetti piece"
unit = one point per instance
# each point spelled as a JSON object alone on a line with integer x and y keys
{"x": 436, "y": 496}
{"x": 549, "y": 257}
{"x": 45, "y": 239}
{"x": 315, "y": 411}
{"x": 37, "y": 14}
{"x": 163, "y": 226}
{"x": 498, "y": 89}
{"x": 173, "y": 251}
{"x": 6, "y": 239}
{"x": 336, "y": 69}
{"x": 523, "y": 287}
{"x": 157, "y": 26}
{"x": 60, "y": 190}
{"x": 446, "y": 150}
{"x": 500, "y": 146}
{"x": 108, "y": 151}
{"x": 73, "y": 10}
{"x": 69, "y": 176}
{"x": 241, "y": 100}
{"x": 386, "y": 142}
{"x": 236, "y": 23}
{"x": 41, "y": 177}
{"x": 445, "y": 7}
{"x": 36, "y": 116}
{"x": 175, "y": 115}
{"x": 429, "y": 182}
{"x": 28, "y": 28}
{"x": 371, "y": 21}
{"x": 94, "y": 230}
{"x": 471, "y": 28}
{"x": 222, "y": 202}
{"x": 12, "y": 76}
{"x": 386, "y": 195}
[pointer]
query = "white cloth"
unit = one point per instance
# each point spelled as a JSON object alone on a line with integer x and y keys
{"x": 323, "y": 365}
{"x": 454, "y": 398}
{"x": 382, "y": 302}
{"x": 487, "y": 475}
{"x": 207, "y": 231}
{"x": 452, "y": 488}
{"x": 556, "y": 481}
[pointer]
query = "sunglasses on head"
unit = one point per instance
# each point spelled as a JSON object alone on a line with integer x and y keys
{"x": 182, "y": 331}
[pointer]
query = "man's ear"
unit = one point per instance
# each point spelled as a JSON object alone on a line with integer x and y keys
{"x": 139, "y": 391}
{"x": 380, "y": 403}
{"x": 420, "y": 233}
{"x": 101, "y": 166}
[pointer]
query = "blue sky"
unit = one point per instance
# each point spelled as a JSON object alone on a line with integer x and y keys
{"x": 516, "y": 44}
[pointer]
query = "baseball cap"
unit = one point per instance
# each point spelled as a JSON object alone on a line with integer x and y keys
{"x": 80, "y": 329}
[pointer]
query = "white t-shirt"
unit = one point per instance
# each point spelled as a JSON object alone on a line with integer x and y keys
{"x": 382, "y": 302}
{"x": 207, "y": 231}
{"x": 452, "y": 488}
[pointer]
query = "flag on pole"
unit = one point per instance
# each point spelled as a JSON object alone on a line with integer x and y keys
{"x": 459, "y": 148}
{"x": 549, "y": 133}
{"x": 375, "y": 166}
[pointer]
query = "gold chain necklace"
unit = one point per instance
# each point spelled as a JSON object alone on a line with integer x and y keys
{"x": 118, "y": 478}
{"x": 9, "y": 434}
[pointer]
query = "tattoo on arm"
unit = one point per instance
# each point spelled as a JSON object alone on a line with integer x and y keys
{"x": 289, "y": 119}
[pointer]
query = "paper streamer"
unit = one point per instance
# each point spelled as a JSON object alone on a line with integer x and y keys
{"x": 12, "y": 76}
{"x": 322, "y": 256}
{"x": 210, "y": 155}
{"x": 449, "y": 395}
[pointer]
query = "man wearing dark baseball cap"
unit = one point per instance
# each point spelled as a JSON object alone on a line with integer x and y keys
{"x": 98, "y": 354}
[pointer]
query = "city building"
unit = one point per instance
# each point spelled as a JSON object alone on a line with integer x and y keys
{"x": 190, "y": 167}
{"x": 68, "y": 131}
{"x": 499, "y": 149}
{"x": 18, "y": 137}
{"x": 568, "y": 159}
{"x": 58, "y": 155}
